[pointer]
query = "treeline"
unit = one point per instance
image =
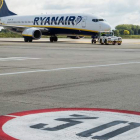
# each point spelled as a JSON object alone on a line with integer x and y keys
{"x": 127, "y": 29}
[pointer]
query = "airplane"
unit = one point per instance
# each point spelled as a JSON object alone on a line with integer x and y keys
{"x": 32, "y": 27}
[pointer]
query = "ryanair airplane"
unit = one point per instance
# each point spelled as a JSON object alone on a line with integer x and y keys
{"x": 32, "y": 28}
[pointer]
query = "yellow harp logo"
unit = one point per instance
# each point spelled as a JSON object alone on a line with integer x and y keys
{"x": 1, "y": 3}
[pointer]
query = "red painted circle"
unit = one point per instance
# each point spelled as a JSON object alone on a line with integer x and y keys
{"x": 5, "y": 119}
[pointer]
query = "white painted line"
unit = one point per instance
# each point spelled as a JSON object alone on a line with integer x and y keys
{"x": 17, "y": 58}
{"x": 12, "y": 116}
{"x": 68, "y": 68}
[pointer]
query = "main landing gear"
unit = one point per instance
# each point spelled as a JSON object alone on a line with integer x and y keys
{"x": 28, "y": 40}
{"x": 93, "y": 41}
{"x": 53, "y": 39}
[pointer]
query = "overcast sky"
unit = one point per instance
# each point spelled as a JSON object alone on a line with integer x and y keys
{"x": 114, "y": 11}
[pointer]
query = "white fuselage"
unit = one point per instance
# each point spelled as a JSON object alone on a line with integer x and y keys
{"x": 69, "y": 24}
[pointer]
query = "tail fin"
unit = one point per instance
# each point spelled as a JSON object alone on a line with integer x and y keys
{"x": 4, "y": 11}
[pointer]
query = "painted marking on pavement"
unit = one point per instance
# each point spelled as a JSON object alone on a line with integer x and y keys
{"x": 68, "y": 68}
{"x": 68, "y": 124}
{"x": 17, "y": 58}
{"x": 13, "y": 116}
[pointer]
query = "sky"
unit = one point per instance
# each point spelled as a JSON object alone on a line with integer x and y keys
{"x": 114, "y": 11}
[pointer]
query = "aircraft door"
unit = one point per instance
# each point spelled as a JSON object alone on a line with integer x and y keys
{"x": 100, "y": 27}
{"x": 84, "y": 22}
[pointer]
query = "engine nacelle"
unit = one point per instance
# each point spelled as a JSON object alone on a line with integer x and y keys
{"x": 75, "y": 37}
{"x": 33, "y": 33}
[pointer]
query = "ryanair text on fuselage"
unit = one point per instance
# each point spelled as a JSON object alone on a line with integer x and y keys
{"x": 63, "y": 20}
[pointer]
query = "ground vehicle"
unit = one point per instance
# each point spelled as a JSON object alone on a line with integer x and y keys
{"x": 108, "y": 38}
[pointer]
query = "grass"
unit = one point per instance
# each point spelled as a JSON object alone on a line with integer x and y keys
{"x": 130, "y": 36}
{"x": 9, "y": 35}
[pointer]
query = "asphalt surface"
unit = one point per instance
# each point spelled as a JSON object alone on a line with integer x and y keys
{"x": 68, "y": 74}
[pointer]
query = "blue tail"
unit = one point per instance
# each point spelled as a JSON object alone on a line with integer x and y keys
{"x": 4, "y": 11}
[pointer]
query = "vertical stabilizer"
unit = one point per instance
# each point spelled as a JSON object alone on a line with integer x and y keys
{"x": 4, "y": 11}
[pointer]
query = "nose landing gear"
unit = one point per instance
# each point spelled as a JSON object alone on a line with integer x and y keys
{"x": 93, "y": 41}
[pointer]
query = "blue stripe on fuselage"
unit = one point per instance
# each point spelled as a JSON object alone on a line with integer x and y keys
{"x": 55, "y": 31}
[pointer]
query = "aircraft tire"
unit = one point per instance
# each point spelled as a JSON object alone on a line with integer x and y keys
{"x": 93, "y": 41}
{"x": 30, "y": 40}
{"x": 55, "y": 39}
{"x": 26, "y": 40}
{"x": 51, "y": 39}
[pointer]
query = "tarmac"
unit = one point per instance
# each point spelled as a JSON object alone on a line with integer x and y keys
{"x": 68, "y": 74}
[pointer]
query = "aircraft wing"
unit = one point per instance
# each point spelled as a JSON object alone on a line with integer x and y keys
{"x": 22, "y": 28}
{"x": 12, "y": 26}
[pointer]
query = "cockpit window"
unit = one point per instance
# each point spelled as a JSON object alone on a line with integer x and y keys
{"x": 101, "y": 19}
{"x": 97, "y": 20}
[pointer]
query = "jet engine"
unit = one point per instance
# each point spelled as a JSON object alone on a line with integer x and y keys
{"x": 33, "y": 33}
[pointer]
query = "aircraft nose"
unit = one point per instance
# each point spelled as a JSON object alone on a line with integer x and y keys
{"x": 107, "y": 27}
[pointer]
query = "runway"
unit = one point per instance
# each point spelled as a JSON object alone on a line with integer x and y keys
{"x": 68, "y": 74}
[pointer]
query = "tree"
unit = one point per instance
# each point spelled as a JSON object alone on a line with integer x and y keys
{"x": 131, "y": 32}
{"x": 133, "y": 29}
{"x": 139, "y": 31}
{"x": 116, "y": 33}
{"x": 121, "y": 32}
{"x": 126, "y": 32}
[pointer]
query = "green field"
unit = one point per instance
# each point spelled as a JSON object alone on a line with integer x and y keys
{"x": 130, "y": 36}
{"x": 9, "y": 35}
